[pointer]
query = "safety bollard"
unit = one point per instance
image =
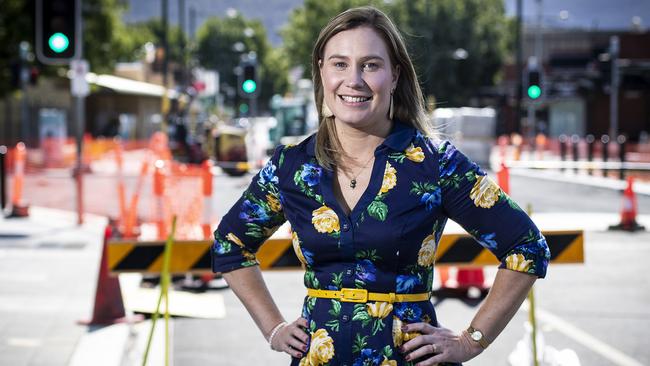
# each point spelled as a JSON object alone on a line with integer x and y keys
{"x": 575, "y": 144}
{"x": 3, "y": 177}
{"x": 589, "y": 139}
{"x": 206, "y": 175}
{"x": 621, "y": 140}
{"x": 18, "y": 207}
{"x": 563, "y": 141}
{"x": 605, "y": 142}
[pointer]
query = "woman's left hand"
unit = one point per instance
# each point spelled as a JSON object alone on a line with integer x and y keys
{"x": 437, "y": 344}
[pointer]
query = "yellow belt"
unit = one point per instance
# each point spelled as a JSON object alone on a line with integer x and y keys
{"x": 362, "y": 295}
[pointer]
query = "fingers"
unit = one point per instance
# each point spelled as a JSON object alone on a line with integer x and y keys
{"x": 294, "y": 339}
{"x": 424, "y": 328}
{"x": 428, "y": 349}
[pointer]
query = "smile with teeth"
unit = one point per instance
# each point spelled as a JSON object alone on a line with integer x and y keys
{"x": 355, "y": 99}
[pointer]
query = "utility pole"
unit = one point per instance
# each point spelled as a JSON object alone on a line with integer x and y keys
{"x": 165, "y": 61}
{"x": 23, "y": 79}
{"x": 520, "y": 69}
{"x": 181, "y": 25}
{"x": 614, "y": 47}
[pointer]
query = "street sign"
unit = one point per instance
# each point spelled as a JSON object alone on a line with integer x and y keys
{"x": 79, "y": 86}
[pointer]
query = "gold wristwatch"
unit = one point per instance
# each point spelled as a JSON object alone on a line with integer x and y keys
{"x": 478, "y": 337}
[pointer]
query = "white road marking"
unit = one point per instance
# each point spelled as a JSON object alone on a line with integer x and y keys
{"x": 584, "y": 338}
{"x": 24, "y": 342}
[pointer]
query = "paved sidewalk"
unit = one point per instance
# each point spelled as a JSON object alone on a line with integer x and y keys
{"x": 48, "y": 274}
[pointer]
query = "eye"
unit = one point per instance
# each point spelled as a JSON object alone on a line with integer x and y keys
{"x": 340, "y": 65}
{"x": 370, "y": 66}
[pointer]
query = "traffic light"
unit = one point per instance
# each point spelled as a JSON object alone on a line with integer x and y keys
{"x": 57, "y": 30}
{"x": 534, "y": 90}
{"x": 248, "y": 81}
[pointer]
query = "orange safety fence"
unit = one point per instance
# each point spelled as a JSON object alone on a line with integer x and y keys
{"x": 119, "y": 183}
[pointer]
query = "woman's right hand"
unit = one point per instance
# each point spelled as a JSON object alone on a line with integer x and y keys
{"x": 292, "y": 338}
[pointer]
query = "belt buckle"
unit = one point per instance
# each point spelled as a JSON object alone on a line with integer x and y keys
{"x": 354, "y": 295}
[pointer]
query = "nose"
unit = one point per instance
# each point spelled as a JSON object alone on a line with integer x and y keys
{"x": 354, "y": 78}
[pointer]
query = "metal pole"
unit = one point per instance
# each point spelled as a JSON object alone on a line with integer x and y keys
{"x": 613, "y": 94}
{"x": 575, "y": 144}
{"x": 605, "y": 141}
{"x": 590, "y": 151}
{"x": 164, "y": 40}
{"x": 80, "y": 121}
{"x": 520, "y": 67}
{"x": 621, "y": 154}
{"x": 23, "y": 79}
{"x": 3, "y": 177}
{"x": 165, "y": 61}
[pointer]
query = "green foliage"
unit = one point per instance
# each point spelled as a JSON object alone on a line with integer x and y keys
{"x": 433, "y": 30}
{"x": 215, "y": 50}
{"x": 305, "y": 23}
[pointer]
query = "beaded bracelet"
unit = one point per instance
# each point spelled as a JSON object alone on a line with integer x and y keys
{"x": 275, "y": 331}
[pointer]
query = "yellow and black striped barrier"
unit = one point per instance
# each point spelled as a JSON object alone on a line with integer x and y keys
{"x": 277, "y": 253}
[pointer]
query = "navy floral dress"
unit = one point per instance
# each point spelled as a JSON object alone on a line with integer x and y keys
{"x": 386, "y": 244}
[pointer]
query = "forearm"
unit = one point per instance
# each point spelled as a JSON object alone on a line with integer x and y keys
{"x": 509, "y": 290}
{"x": 249, "y": 286}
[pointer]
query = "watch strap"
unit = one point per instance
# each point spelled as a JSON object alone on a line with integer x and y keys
{"x": 481, "y": 341}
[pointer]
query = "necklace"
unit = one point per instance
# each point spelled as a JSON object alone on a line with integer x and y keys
{"x": 353, "y": 181}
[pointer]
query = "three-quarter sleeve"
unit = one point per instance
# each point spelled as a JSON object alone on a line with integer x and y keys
{"x": 254, "y": 218}
{"x": 478, "y": 204}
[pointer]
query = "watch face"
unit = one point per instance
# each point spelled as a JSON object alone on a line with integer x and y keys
{"x": 476, "y": 335}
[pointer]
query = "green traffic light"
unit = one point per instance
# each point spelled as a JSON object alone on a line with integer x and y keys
{"x": 534, "y": 92}
{"x": 58, "y": 42}
{"x": 249, "y": 86}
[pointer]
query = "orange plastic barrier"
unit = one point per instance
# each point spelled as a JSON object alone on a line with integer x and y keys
{"x": 159, "y": 198}
{"x": 206, "y": 224}
{"x": 18, "y": 207}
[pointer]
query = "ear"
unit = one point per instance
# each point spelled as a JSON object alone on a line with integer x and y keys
{"x": 396, "y": 71}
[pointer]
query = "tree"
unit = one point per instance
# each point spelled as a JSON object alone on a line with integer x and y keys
{"x": 222, "y": 41}
{"x": 433, "y": 31}
{"x": 305, "y": 23}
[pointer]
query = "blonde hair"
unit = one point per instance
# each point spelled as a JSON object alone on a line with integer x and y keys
{"x": 408, "y": 103}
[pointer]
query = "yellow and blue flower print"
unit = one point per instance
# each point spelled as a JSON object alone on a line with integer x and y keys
{"x": 387, "y": 243}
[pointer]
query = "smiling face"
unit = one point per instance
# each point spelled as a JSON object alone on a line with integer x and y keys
{"x": 358, "y": 77}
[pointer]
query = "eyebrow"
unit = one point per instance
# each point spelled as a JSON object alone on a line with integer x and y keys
{"x": 364, "y": 58}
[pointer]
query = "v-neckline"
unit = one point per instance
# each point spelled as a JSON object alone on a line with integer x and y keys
{"x": 371, "y": 191}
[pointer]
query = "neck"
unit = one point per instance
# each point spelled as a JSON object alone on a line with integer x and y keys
{"x": 359, "y": 143}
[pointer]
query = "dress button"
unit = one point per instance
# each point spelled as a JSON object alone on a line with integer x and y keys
{"x": 345, "y": 318}
{"x": 346, "y": 227}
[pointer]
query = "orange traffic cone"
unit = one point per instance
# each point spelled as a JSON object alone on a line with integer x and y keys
{"x": 109, "y": 307}
{"x": 18, "y": 207}
{"x": 628, "y": 211}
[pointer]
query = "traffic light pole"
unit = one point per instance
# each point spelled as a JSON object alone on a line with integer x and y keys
{"x": 79, "y": 119}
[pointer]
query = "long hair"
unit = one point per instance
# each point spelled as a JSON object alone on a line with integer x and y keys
{"x": 408, "y": 103}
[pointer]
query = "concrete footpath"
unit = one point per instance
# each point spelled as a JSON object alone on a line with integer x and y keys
{"x": 48, "y": 278}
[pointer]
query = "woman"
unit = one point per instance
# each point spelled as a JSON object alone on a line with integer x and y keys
{"x": 367, "y": 197}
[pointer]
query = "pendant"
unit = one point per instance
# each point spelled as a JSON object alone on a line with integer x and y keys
{"x": 353, "y": 183}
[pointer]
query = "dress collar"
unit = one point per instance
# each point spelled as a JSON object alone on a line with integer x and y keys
{"x": 399, "y": 138}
